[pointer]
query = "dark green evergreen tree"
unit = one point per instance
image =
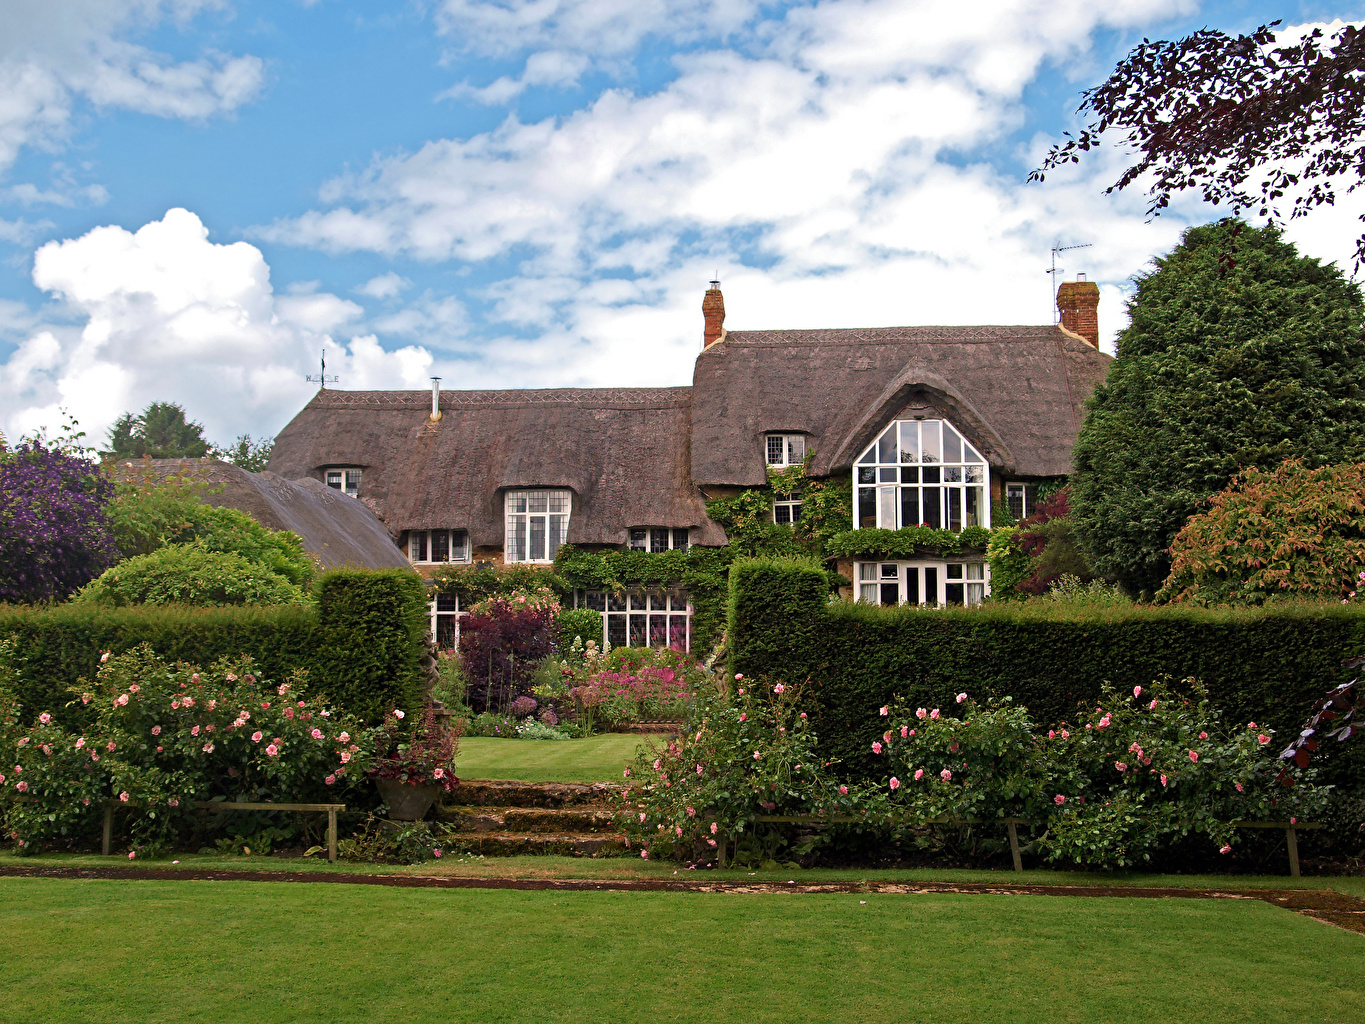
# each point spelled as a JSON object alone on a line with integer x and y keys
{"x": 160, "y": 432}
{"x": 1240, "y": 352}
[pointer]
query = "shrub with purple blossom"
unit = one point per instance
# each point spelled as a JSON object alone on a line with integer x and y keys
{"x": 54, "y": 531}
{"x": 522, "y": 706}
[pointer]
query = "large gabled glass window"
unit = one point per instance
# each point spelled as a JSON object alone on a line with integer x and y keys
{"x": 921, "y": 473}
{"x": 537, "y": 524}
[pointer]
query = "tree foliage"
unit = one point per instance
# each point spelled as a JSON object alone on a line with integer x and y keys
{"x": 190, "y": 574}
{"x": 54, "y": 528}
{"x": 1288, "y": 532}
{"x": 248, "y": 453}
{"x": 1223, "y": 366}
{"x": 1216, "y": 113}
{"x": 160, "y": 431}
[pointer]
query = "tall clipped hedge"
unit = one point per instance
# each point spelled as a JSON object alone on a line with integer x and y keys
{"x": 1267, "y": 665}
{"x": 362, "y": 645}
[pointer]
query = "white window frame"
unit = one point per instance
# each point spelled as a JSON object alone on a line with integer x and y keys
{"x": 956, "y": 583}
{"x": 420, "y": 547}
{"x": 343, "y": 478}
{"x": 536, "y": 510}
{"x": 649, "y": 538}
{"x": 905, "y": 467}
{"x": 793, "y": 449}
{"x": 452, "y": 612}
{"x": 1028, "y": 498}
{"x": 641, "y": 618}
{"x": 791, "y": 504}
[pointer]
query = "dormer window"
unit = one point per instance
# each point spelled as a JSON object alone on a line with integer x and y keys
{"x": 921, "y": 472}
{"x": 785, "y": 450}
{"x": 659, "y": 538}
{"x": 344, "y": 479}
{"x": 537, "y": 524}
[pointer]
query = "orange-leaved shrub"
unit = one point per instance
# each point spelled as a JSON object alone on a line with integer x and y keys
{"x": 1288, "y": 532}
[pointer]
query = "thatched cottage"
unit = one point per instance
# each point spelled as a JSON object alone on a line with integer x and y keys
{"x": 930, "y": 424}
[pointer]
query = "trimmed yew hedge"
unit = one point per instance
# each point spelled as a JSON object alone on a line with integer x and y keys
{"x": 1267, "y": 665}
{"x": 362, "y": 644}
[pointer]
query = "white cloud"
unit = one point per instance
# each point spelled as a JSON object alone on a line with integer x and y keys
{"x": 165, "y": 314}
{"x": 57, "y": 53}
{"x": 385, "y": 286}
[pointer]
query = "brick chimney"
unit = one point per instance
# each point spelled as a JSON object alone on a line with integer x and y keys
{"x": 713, "y": 313}
{"x": 1079, "y": 302}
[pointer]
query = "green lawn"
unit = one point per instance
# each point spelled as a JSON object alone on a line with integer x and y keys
{"x": 162, "y": 952}
{"x": 595, "y": 759}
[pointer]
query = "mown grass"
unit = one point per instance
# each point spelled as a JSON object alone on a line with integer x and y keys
{"x": 164, "y": 952}
{"x": 599, "y": 758}
{"x": 457, "y": 864}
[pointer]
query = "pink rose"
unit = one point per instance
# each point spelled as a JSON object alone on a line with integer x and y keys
{"x": 1152, "y": 706}
{"x": 345, "y": 756}
{"x": 905, "y": 732}
{"x": 934, "y": 714}
{"x": 272, "y": 750}
{"x": 436, "y": 853}
{"x": 122, "y": 699}
{"x": 1065, "y": 734}
{"x": 330, "y": 780}
{"x": 779, "y": 688}
{"x": 919, "y": 774}
{"x": 711, "y": 842}
{"x": 895, "y": 783}
{"x": 1263, "y": 739}
{"x": 256, "y": 736}
{"x": 189, "y": 702}
{"x": 1163, "y": 780}
{"x": 699, "y": 769}
{"x": 131, "y": 854}
{"x": 644, "y": 855}
{"x": 316, "y": 734}
{"x": 1052, "y": 734}
{"x": 876, "y": 747}
{"x": 961, "y": 697}
{"x": 946, "y": 775}
{"x": 345, "y": 737}
{"x": 756, "y": 756}
{"x": 289, "y": 713}
{"x": 156, "y": 730}
{"x": 920, "y": 713}
{"x": 642, "y": 816}
{"x": 104, "y": 657}
{"x": 843, "y": 791}
{"x": 739, "y": 675}
{"x": 713, "y": 828}
{"x": 743, "y": 716}
{"x": 80, "y": 743}
{"x": 691, "y": 811}
{"x": 123, "y": 797}
{"x": 1225, "y": 849}
{"x": 109, "y": 746}
{"x": 626, "y": 773}
{"x": 1251, "y": 725}
{"x": 1238, "y": 787}
{"x": 1120, "y": 766}
{"x": 1203, "y": 735}
{"x": 194, "y": 731}
{"x": 1137, "y": 691}
{"x": 886, "y": 710}
{"x": 1194, "y": 757}
{"x": 208, "y": 748}
{"x": 45, "y": 718}
{"x": 397, "y": 713}
{"x": 1059, "y": 799}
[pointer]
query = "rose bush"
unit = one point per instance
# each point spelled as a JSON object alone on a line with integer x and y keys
{"x": 1134, "y": 776}
{"x": 739, "y": 757}
{"x": 166, "y": 735}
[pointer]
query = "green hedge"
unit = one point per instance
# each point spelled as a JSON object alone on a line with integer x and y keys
{"x": 1266, "y": 665}
{"x": 363, "y": 644}
{"x": 577, "y": 622}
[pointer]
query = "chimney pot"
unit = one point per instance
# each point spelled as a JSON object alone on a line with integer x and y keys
{"x": 1078, "y": 301}
{"x": 435, "y": 398}
{"x": 713, "y": 315}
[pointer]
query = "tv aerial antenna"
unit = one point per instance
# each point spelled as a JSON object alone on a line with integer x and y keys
{"x": 1054, "y": 270}
{"x": 321, "y": 379}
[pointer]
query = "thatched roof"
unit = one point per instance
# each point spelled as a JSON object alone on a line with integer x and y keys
{"x": 640, "y": 456}
{"x": 622, "y": 451}
{"x": 335, "y": 528}
{"x": 1016, "y": 392}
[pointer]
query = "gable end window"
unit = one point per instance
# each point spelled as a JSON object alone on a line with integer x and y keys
{"x": 343, "y": 479}
{"x": 785, "y": 449}
{"x": 438, "y": 546}
{"x": 659, "y": 538}
{"x": 537, "y": 524}
{"x": 921, "y": 473}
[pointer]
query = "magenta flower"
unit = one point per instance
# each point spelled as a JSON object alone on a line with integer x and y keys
{"x": 743, "y": 715}
{"x": 876, "y": 747}
{"x": 895, "y": 783}
{"x": 131, "y": 854}
{"x": 1137, "y": 691}
{"x": 843, "y": 791}
{"x": 1051, "y": 734}
{"x": 1059, "y": 799}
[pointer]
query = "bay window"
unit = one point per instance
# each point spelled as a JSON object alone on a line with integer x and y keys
{"x": 921, "y": 473}
{"x": 537, "y": 524}
{"x": 931, "y": 583}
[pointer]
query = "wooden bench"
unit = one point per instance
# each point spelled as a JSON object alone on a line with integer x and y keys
{"x": 1289, "y": 827}
{"x": 224, "y": 805}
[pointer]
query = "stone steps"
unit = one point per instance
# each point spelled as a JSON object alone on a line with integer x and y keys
{"x": 502, "y": 818}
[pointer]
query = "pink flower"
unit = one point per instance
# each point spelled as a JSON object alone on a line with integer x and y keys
{"x": 80, "y": 743}
{"x": 1137, "y": 691}
{"x": 1133, "y": 748}
{"x": 435, "y": 852}
{"x": 642, "y": 816}
{"x": 691, "y": 812}
{"x": 1065, "y": 735}
{"x": 1059, "y": 799}
{"x": 189, "y": 702}
{"x": 1238, "y": 787}
{"x": 45, "y": 718}
{"x": 95, "y": 757}
{"x": 22, "y": 787}
{"x": 122, "y": 699}
{"x": 123, "y": 797}
{"x": 273, "y": 750}
{"x": 961, "y": 697}
{"x": 1052, "y": 734}
{"x": 677, "y": 829}
{"x": 626, "y": 773}
{"x": 843, "y": 791}
{"x": 886, "y": 736}
{"x": 1203, "y": 735}
{"x": 644, "y": 855}
{"x": 256, "y": 736}
{"x": 741, "y": 691}
{"x": 104, "y": 657}
{"x": 208, "y": 748}
{"x": 912, "y": 732}
{"x": 934, "y": 714}
{"x": 711, "y": 842}
{"x": 876, "y": 747}
{"x": 946, "y": 775}
{"x": 743, "y": 715}
{"x": 330, "y": 780}
{"x": 301, "y": 704}
{"x": 194, "y": 731}
{"x": 1263, "y": 739}
{"x": 756, "y": 755}
{"x": 1293, "y": 821}
{"x": 345, "y": 754}
{"x": 886, "y": 710}
{"x": 895, "y": 783}
{"x": 265, "y": 704}
{"x": 1152, "y": 706}
{"x": 1120, "y": 766}
{"x": 919, "y": 774}
{"x": 1104, "y": 722}
{"x": 779, "y": 688}
{"x": 698, "y": 769}
{"x": 1251, "y": 725}
{"x": 1194, "y": 757}
{"x": 1225, "y": 849}
{"x": 131, "y": 854}
{"x": 1163, "y": 780}
{"x": 713, "y": 828}
{"x": 289, "y": 713}
{"x": 739, "y": 675}
{"x": 175, "y": 704}
{"x": 905, "y": 732}
{"x": 109, "y": 746}
{"x": 85, "y": 801}
{"x": 212, "y": 704}
{"x": 316, "y": 734}
{"x": 657, "y": 762}
{"x": 345, "y": 737}
{"x": 397, "y": 713}
{"x": 156, "y": 730}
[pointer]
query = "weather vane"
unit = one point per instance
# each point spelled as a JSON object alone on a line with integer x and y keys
{"x": 321, "y": 379}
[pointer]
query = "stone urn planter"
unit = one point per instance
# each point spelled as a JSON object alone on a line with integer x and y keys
{"x": 408, "y": 801}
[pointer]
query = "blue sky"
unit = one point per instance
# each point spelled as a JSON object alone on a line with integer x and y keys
{"x": 516, "y": 193}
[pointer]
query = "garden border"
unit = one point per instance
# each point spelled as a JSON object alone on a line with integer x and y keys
{"x": 224, "y": 805}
